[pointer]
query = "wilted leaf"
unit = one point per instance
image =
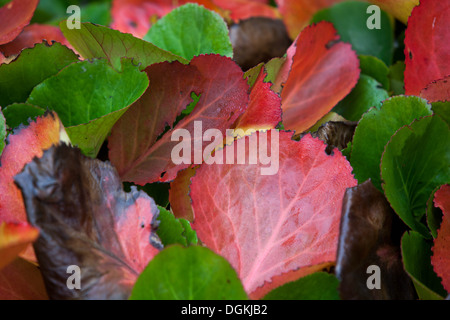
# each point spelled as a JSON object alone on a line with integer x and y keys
{"x": 193, "y": 273}
{"x": 18, "y": 78}
{"x": 179, "y": 199}
{"x": 320, "y": 61}
{"x": 174, "y": 231}
{"x": 350, "y": 19}
{"x": 14, "y": 16}
{"x": 427, "y": 45}
{"x": 441, "y": 249}
{"x": 23, "y": 145}
{"x": 335, "y": 134}
{"x": 86, "y": 219}
{"x": 316, "y": 286}
{"x": 191, "y": 30}
{"x": 367, "y": 238}
{"x": 89, "y": 97}
{"x": 21, "y": 280}
{"x": 93, "y": 41}
{"x": 257, "y": 40}
{"x": 412, "y": 168}
{"x": 416, "y": 253}
{"x": 438, "y": 90}
{"x": 273, "y": 224}
{"x": 14, "y": 238}
{"x": 134, "y": 149}
{"x": 375, "y": 130}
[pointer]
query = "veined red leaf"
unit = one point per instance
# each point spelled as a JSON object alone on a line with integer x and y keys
{"x": 427, "y": 42}
{"x": 272, "y": 228}
{"x": 23, "y": 145}
{"x": 14, "y": 238}
{"x": 297, "y": 13}
{"x": 134, "y": 149}
{"x": 264, "y": 108}
{"x": 323, "y": 72}
{"x": 14, "y": 16}
{"x": 441, "y": 249}
{"x": 238, "y": 10}
{"x": 438, "y": 90}
{"x": 86, "y": 219}
{"x": 32, "y": 34}
{"x": 21, "y": 280}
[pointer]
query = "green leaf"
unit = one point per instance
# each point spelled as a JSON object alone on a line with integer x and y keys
{"x": 98, "y": 13}
{"x": 442, "y": 109}
{"x": 416, "y": 252}
{"x": 414, "y": 163}
{"x": 2, "y": 131}
{"x": 396, "y": 78}
{"x": 89, "y": 97}
{"x": 346, "y": 152}
{"x": 376, "y": 128}
{"x": 366, "y": 94}
{"x": 191, "y": 30}
{"x": 375, "y": 68}
{"x": 192, "y": 273}
{"x": 317, "y": 286}
{"x": 175, "y": 231}
{"x": 93, "y": 41}
{"x": 18, "y": 78}
{"x": 434, "y": 215}
{"x": 350, "y": 20}
{"x": 19, "y": 113}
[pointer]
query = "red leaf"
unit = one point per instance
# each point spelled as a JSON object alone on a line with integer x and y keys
{"x": 438, "y": 90}
{"x": 264, "y": 108}
{"x": 21, "y": 280}
{"x": 244, "y": 9}
{"x": 14, "y": 16}
{"x": 14, "y": 238}
{"x": 180, "y": 202}
{"x": 273, "y": 228}
{"x": 323, "y": 72}
{"x": 427, "y": 45}
{"x": 25, "y": 144}
{"x": 134, "y": 148}
{"x": 297, "y": 13}
{"x": 441, "y": 249}
{"x": 137, "y": 16}
{"x": 400, "y": 9}
{"x": 32, "y": 34}
{"x": 86, "y": 219}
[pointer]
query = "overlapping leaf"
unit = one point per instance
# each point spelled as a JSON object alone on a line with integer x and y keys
{"x": 272, "y": 228}
{"x": 86, "y": 219}
{"x": 400, "y": 9}
{"x": 438, "y": 90}
{"x": 14, "y": 16}
{"x": 134, "y": 149}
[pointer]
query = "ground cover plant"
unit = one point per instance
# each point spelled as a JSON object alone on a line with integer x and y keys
{"x": 239, "y": 149}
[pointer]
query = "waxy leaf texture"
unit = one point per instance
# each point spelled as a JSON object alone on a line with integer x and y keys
{"x": 427, "y": 45}
{"x": 441, "y": 249}
{"x": 86, "y": 219}
{"x": 273, "y": 228}
{"x": 134, "y": 149}
{"x": 323, "y": 72}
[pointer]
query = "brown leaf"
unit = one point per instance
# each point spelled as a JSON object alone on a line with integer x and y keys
{"x": 87, "y": 220}
{"x": 257, "y": 40}
{"x": 368, "y": 236}
{"x": 335, "y": 134}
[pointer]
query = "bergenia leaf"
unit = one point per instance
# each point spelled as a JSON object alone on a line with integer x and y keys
{"x": 367, "y": 240}
{"x": 410, "y": 151}
{"x": 438, "y": 90}
{"x": 427, "y": 45}
{"x": 14, "y": 238}
{"x": 191, "y": 30}
{"x": 441, "y": 248}
{"x": 173, "y": 230}
{"x": 22, "y": 280}
{"x": 272, "y": 228}
{"x": 2, "y": 131}
{"x": 335, "y": 134}
{"x": 134, "y": 149}
{"x": 86, "y": 219}
{"x": 14, "y": 16}
{"x": 20, "y": 113}
{"x": 400, "y": 9}
{"x": 238, "y": 10}
{"x": 23, "y": 145}
{"x": 193, "y": 273}
{"x": 89, "y": 97}
{"x": 93, "y": 41}
{"x": 320, "y": 61}
{"x": 179, "y": 199}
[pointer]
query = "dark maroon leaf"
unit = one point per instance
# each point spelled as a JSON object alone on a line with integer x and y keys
{"x": 369, "y": 237}
{"x": 257, "y": 40}
{"x": 86, "y": 219}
